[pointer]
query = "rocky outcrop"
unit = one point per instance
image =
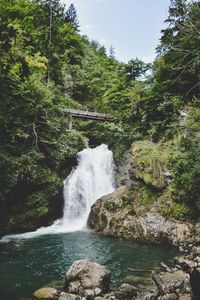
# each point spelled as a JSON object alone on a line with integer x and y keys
{"x": 87, "y": 279}
{"x": 120, "y": 214}
{"x": 122, "y": 176}
{"x": 146, "y": 209}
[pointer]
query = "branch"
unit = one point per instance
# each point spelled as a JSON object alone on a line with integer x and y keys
{"x": 159, "y": 284}
{"x": 198, "y": 83}
{"x": 36, "y": 136}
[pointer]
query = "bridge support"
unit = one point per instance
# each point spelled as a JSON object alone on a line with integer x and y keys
{"x": 70, "y": 123}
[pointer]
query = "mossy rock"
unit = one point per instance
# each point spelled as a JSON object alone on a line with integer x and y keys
{"x": 46, "y": 293}
{"x": 152, "y": 163}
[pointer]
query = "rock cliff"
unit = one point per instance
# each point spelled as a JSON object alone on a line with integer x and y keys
{"x": 145, "y": 210}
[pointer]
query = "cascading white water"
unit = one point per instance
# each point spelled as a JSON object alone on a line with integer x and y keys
{"x": 90, "y": 180}
{"x": 93, "y": 178}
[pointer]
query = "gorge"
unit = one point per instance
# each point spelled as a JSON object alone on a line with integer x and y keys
{"x": 37, "y": 258}
{"x": 148, "y": 116}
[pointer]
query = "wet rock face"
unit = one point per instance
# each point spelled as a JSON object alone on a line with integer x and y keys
{"x": 87, "y": 279}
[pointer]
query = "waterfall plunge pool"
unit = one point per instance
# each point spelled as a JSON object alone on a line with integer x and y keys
{"x": 28, "y": 264}
{"x": 34, "y": 259}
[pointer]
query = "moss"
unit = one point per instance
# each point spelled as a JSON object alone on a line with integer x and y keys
{"x": 111, "y": 206}
{"x": 127, "y": 203}
{"x": 148, "y": 195}
{"x": 176, "y": 210}
{"x": 151, "y": 161}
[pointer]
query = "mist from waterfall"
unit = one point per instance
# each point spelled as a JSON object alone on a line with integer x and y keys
{"x": 91, "y": 179}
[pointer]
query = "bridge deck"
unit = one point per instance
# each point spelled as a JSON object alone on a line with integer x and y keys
{"x": 89, "y": 115}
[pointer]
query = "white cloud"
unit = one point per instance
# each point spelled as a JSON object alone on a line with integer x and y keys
{"x": 104, "y": 42}
{"x": 88, "y": 26}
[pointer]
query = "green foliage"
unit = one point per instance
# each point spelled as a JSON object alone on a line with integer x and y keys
{"x": 147, "y": 195}
{"x": 180, "y": 44}
{"x": 35, "y": 147}
{"x": 152, "y": 161}
{"x": 177, "y": 210}
{"x": 187, "y": 167}
{"x": 135, "y": 68}
{"x": 45, "y": 65}
{"x": 155, "y": 115}
{"x": 111, "y": 206}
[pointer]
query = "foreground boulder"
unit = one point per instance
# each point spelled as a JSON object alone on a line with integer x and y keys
{"x": 87, "y": 279}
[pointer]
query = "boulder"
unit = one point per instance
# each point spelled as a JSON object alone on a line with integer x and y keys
{"x": 46, "y": 293}
{"x": 126, "y": 292}
{"x": 87, "y": 279}
{"x": 120, "y": 214}
{"x": 185, "y": 297}
{"x": 66, "y": 296}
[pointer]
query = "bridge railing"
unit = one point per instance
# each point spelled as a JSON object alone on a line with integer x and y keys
{"x": 89, "y": 114}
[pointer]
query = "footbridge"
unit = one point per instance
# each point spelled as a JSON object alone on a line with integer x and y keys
{"x": 89, "y": 115}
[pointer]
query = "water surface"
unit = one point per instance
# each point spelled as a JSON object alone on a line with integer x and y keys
{"x": 28, "y": 264}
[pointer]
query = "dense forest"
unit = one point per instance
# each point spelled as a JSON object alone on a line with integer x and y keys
{"x": 46, "y": 65}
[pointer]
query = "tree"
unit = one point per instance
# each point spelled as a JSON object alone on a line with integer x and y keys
{"x": 112, "y": 52}
{"x": 135, "y": 68}
{"x": 71, "y": 16}
{"x": 180, "y": 50}
{"x": 175, "y": 21}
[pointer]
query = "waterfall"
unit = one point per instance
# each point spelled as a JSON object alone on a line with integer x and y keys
{"x": 91, "y": 179}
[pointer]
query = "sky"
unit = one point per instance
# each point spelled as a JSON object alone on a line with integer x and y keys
{"x": 132, "y": 27}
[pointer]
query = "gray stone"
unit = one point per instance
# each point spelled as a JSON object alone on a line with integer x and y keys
{"x": 89, "y": 294}
{"x": 126, "y": 292}
{"x": 66, "y": 296}
{"x": 149, "y": 297}
{"x": 87, "y": 279}
{"x": 185, "y": 297}
{"x": 97, "y": 291}
{"x": 169, "y": 297}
